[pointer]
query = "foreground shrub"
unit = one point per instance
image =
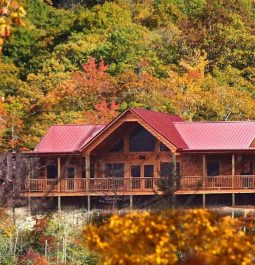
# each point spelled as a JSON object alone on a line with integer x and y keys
{"x": 173, "y": 237}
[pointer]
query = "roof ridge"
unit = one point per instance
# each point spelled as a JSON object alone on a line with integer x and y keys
{"x": 70, "y": 124}
{"x": 150, "y": 110}
{"x": 206, "y": 122}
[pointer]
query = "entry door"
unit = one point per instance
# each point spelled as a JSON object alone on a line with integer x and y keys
{"x": 142, "y": 176}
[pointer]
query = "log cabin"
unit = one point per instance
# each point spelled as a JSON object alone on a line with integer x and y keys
{"x": 144, "y": 153}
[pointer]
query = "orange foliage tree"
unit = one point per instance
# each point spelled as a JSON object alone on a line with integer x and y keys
{"x": 11, "y": 12}
{"x": 102, "y": 114}
{"x": 85, "y": 87}
{"x": 173, "y": 237}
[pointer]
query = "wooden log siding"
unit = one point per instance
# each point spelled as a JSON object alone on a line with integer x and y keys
{"x": 193, "y": 176}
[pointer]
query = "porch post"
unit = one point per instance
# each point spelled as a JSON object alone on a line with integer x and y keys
{"x": 233, "y": 171}
{"x": 131, "y": 202}
{"x": 29, "y": 184}
{"x": 233, "y": 179}
{"x": 174, "y": 172}
{"x": 88, "y": 201}
{"x": 233, "y": 199}
{"x": 59, "y": 183}
{"x": 59, "y": 203}
{"x": 203, "y": 200}
{"x": 204, "y": 178}
{"x": 204, "y": 171}
{"x": 174, "y": 181}
{"x": 87, "y": 170}
{"x": 59, "y": 174}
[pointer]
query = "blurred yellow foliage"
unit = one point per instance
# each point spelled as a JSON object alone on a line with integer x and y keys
{"x": 189, "y": 237}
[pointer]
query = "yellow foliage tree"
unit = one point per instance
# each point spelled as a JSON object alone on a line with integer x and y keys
{"x": 11, "y": 12}
{"x": 172, "y": 238}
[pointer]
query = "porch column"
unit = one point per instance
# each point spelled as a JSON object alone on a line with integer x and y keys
{"x": 88, "y": 203}
{"x": 87, "y": 170}
{"x": 59, "y": 174}
{"x": 204, "y": 178}
{"x": 174, "y": 172}
{"x": 233, "y": 171}
{"x": 59, "y": 183}
{"x": 204, "y": 170}
{"x": 29, "y": 185}
{"x": 131, "y": 202}
{"x": 174, "y": 181}
{"x": 203, "y": 200}
{"x": 233, "y": 179}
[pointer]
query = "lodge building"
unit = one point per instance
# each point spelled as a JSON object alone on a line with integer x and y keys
{"x": 144, "y": 153}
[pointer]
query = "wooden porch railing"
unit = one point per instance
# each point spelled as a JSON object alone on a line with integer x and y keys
{"x": 217, "y": 182}
{"x": 140, "y": 184}
{"x": 93, "y": 184}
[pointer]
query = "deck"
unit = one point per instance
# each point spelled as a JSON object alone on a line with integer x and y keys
{"x": 138, "y": 186}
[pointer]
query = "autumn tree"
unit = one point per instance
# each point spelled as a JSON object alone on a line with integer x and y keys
{"x": 85, "y": 87}
{"x": 103, "y": 113}
{"x": 171, "y": 237}
{"x": 11, "y": 13}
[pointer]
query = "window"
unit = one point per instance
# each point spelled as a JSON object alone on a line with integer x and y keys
{"x": 246, "y": 168}
{"x": 163, "y": 147}
{"x": 140, "y": 140}
{"x": 166, "y": 169}
{"x": 52, "y": 171}
{"x": 70, "y": 172}
{"x": 118, "y": 148}
{"x": 114, "y": 170}
{"x": 148, "y": 171}
{"x": 213, "y": 168}
{"x": 135, "y": 171}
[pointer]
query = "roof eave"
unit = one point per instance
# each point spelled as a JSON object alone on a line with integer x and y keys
{"x": 246, "y": 150}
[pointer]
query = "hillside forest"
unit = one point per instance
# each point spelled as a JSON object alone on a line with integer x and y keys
{"x": 85, "y": 61}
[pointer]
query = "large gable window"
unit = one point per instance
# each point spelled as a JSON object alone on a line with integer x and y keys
{"x": 164, "y": 148}
{"x": 140, "y": 140}
{"x": 118, "y": 148}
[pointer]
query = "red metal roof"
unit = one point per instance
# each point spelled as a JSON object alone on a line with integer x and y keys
{"x": 186, "y": 136}
{"x": 163, "y": 123}
{"x": 217, "y": 135}
{"x": 67, "y": 138}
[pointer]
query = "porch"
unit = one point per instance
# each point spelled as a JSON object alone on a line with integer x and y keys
{"x": 139, "y": 186}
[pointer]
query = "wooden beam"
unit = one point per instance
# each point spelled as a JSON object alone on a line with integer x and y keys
{"x": 59, "y": 203}
{"x": 131, "y": 202}
{"x": 87, "y": 170}
{"x": 29, "y": 185}
{"x": 204, "y": 202}
{"x": 204, "y": 170}
{"x": 88, "y": 204}
{"x": 233, "y": 199}
{"x": 59, "y": 174}
{"x": 233, "y": 171}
